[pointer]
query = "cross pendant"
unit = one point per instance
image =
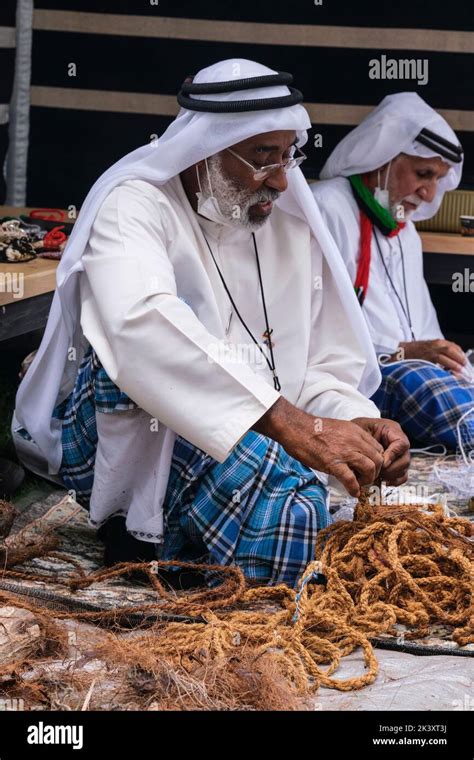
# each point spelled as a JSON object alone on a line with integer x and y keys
{"x": 266, "y": 336}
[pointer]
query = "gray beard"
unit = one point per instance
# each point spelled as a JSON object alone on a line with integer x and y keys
{"x": 234, "y": 200}
{"x": 407, "y": 214}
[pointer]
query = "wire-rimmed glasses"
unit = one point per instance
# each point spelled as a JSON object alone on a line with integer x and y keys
{"x": 262, "y": 172}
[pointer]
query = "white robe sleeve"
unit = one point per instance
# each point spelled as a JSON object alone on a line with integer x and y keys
{"x": 150, "y": 342}
{"x": 336, "y": 360}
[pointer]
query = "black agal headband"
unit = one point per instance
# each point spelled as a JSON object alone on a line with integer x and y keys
{"x": 235, "y": 85}
{"x": 440, "y": 145}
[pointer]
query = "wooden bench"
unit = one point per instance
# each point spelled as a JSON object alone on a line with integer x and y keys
{"x": 445, "y": 254}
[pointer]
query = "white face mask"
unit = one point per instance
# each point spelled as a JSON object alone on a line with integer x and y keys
{"x": 232, "y": 208}
{"x": 209, "y": 206}
{"x": 382, "y": 196}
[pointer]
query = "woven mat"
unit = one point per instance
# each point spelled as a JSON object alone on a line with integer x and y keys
{"x": 79, "y": 541}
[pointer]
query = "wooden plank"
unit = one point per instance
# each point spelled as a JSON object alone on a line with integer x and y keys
{"x": 14, "y": 210}
{"x": 447, "y": 243}
{"x": 26, "y": 279}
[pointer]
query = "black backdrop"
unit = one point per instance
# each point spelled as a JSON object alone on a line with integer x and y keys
{"x": 71, "y": 144}
{"x": 7, "y": 67}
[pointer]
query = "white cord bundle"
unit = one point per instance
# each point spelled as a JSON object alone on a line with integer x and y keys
{"x": 456, "y": 471}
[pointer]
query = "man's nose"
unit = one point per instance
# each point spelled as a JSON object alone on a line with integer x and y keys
{"x": 277, "y": 181}
{"x": 427, "y": 192}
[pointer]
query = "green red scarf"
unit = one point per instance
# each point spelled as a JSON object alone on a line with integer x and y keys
{"x": 371, "y": 213}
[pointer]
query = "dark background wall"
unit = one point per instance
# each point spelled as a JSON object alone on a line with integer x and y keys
{"x": 7, "y": 68}
{"x": 75, "y": 135}
{"x": 132, "y": 55}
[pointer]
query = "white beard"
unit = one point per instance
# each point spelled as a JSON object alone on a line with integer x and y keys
{"x": 234, "y": 201}
{"x": 406, "y": 214}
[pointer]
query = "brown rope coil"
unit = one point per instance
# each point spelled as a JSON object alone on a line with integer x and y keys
{"x": 409, "y": 566}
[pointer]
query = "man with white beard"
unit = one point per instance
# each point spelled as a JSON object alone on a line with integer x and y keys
{"x": 392, "y": 169}
{"x": 185, "y": 252}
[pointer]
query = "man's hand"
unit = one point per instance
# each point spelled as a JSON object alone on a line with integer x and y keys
{"x": 340, "y": 448}
{"x": 444, "y": 352}
{"x": 396, "y": 458}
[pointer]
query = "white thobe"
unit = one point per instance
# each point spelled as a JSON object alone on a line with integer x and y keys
{"x": 156, "y": 312}
{"x": 388, "y": 321}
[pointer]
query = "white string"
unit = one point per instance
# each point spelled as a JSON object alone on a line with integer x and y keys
{"x": 383, "y": 360}
{"x": 467, "y": 456}
{"x": 427, "y": 450}
{"x": 456, "y": 471}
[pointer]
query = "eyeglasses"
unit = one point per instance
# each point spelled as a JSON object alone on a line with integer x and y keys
{"x": 262, "y": 172}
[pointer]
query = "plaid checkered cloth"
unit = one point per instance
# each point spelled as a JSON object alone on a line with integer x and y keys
{"x": 427, "y": 401}
{"x": 260, "y": 509}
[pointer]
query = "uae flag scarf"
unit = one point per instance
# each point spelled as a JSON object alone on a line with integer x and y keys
{"x": 371, "y": 213}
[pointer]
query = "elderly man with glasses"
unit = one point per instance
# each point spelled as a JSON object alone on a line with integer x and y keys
{"x": 222, "y": 365}
{"x": 391, "y": 170}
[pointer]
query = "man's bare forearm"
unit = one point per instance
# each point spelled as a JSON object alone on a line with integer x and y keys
{"x": 277, "y": 420}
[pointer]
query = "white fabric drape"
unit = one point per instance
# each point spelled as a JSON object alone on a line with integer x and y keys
{"x": 390, "y": 129}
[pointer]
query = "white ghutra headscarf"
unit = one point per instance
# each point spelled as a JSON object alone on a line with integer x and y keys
{"x": 190, "y": 138}
{"x": 392, "y": 128}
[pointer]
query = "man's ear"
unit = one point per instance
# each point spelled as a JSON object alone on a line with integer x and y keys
{"x": 399, "y": 157}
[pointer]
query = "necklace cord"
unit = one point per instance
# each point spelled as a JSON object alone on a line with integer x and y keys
{"x": 271, "y": 364}
{"x": 267, "y": 325}
{"x": 406, "y": 311}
